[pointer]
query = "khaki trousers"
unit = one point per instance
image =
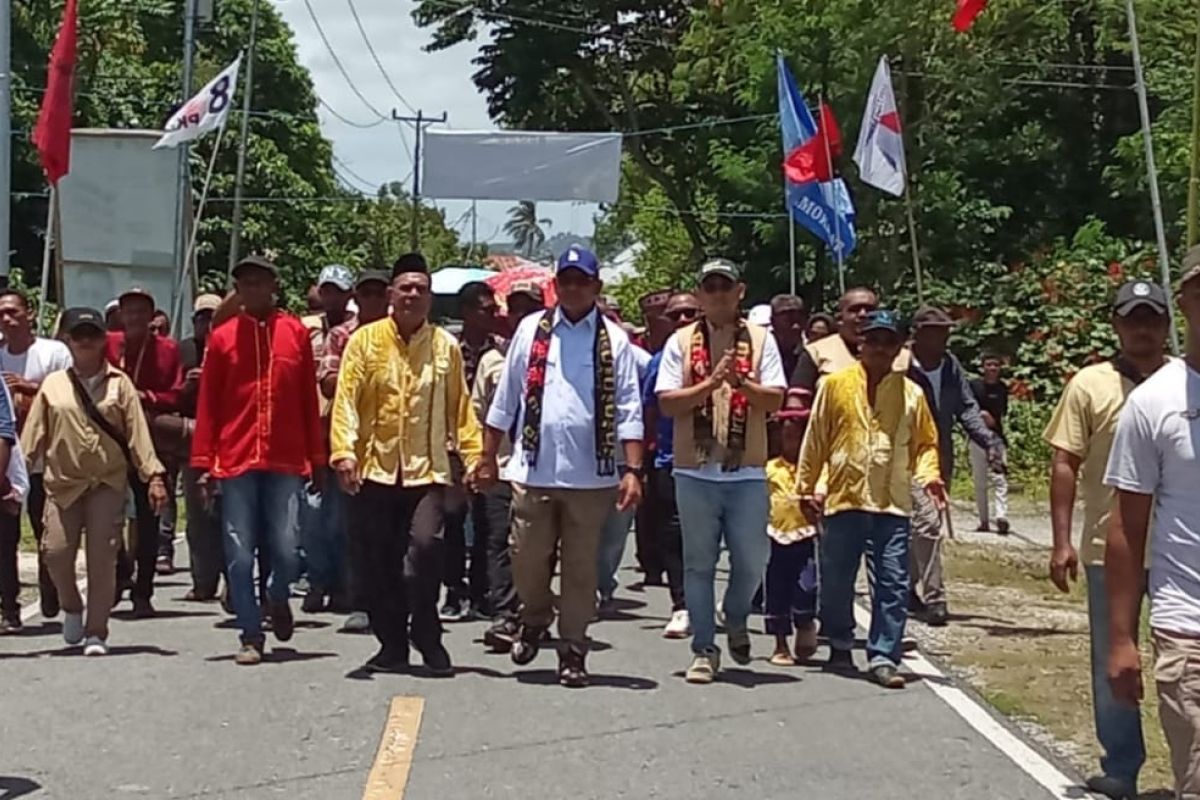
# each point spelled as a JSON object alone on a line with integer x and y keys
{"x": 101, "y": 511}
{"x": 925, "y": 555}
{"x": 545, "y": 520}
{"x": 1177, "y": 677}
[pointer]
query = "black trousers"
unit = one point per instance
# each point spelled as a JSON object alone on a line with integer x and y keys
{"x": 36, "y": 502}
{"x": 146, "y": 552}
{"x": 398, "y": 532}
{"x": 206, "y": 553}
{"x": 10, "y": 580}
{"x": 649, "y": 547}
{"x": 668, "y": 533}
{"x": 491, "y": 513}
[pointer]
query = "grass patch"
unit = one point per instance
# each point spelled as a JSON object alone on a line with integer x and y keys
{"x": 1024, "y": 646}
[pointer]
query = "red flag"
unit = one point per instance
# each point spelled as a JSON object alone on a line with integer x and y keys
{"x": 813, "y": 160}
{"x": 52, "y": 136}
{"x": 968, "y": 10}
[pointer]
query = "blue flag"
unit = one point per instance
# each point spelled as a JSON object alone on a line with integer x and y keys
{"x": 824, "y": 208}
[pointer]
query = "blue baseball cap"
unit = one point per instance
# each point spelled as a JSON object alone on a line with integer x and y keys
{"x": 881, "y": 320}
{"x": 580, "y": 258}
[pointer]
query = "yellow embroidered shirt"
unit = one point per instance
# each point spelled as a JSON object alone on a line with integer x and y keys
{"x": 870, "y": 455}
{"x": 399, "y": 406}
{"x": 786, "y": 523}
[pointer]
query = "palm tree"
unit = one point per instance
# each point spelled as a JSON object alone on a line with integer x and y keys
{"x": 528, "y": 232}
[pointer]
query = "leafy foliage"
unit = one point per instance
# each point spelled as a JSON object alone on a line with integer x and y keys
{"x": 129, "y": 77}
{"x": 528, "y": 232}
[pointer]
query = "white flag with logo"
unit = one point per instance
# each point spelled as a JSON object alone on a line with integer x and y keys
{"x": 205, "y": 112}
{"x": 880, "y": 151}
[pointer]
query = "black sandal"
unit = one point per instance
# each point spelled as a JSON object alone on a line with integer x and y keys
{"x": 527, "y": 644}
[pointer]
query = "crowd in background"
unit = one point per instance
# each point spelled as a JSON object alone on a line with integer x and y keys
{"x": 406, "y": 476}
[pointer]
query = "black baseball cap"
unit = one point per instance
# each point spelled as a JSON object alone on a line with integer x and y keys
{"x": 1136, "y": 294}
{"x": 258, "y": 262}
{"x": 373, "y": 276}
{"x": 75, "y": 320}
{"x": 931, "y": 317}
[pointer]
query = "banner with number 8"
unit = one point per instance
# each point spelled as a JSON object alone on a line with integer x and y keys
{"x": 205, "y": 112}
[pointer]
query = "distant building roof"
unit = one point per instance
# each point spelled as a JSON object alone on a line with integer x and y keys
{"x": 504, "y": 263}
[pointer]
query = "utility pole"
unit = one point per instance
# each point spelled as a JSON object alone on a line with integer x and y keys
{"x": 235, "y": 235}
{"x": 5, "y": 134}
{"x": 1151, "y": 171}
{"x": 420, "y": 122}
{"x": 474, "y": 225}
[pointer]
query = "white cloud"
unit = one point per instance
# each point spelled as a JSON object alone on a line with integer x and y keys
{"x": 431, "y": 82}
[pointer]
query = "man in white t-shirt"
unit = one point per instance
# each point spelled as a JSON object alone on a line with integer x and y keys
{"x": 25, "y": 361}
{"x": 719, "y": 379}
{"x": 1155, "y": 468}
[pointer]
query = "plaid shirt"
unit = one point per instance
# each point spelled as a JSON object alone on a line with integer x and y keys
{"x": 335, "y": 344}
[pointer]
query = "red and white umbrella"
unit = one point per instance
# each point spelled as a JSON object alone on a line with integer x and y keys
{"x": 503, "y": 282}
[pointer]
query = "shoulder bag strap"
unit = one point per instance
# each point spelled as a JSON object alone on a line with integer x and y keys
{"x": 89, "y": 405}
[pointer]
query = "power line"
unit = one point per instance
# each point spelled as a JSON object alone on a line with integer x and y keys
{"x": 375, "y": 58}
{"x": 486, "y": 14}
{"x": 350, "y": 122}
{"x": 346, "y": 168}
{"x": 338, "y": 62}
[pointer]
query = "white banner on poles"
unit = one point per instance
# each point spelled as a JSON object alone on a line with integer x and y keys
{"x": 521, "y": 165}
{"x": 205, "y": 112}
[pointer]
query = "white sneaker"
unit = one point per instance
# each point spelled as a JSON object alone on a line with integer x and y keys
{"x": 680, "y": 626}
{"x": 72, "y": 629}
{"x": 357, "y": 622}
{"x": 95, "y": 646}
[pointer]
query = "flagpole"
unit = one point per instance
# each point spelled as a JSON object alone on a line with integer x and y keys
{"x": 836, "y": 205}
{"x": 235, "y": 235}
{"x": 791, "y": 235}
{"x": 189, "y": 252}
{"x": 1151, "y": 170}
{"x": 47, "y": 250}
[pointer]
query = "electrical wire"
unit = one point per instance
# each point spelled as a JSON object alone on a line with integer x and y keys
{"x": 346, "y": 169}
{"x": 350, "y": 122}
{"x": 486, "y": 14}
{"x": 338, "y": 62}
{"x": 375, "y": 57}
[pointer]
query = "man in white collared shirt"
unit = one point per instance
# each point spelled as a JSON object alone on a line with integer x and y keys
{"x": 569, "y": 395}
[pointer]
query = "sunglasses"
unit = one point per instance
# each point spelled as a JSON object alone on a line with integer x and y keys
{"x": 681, "y": 314}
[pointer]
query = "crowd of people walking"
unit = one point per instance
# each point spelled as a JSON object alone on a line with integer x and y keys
{"x": 413, "y": 477}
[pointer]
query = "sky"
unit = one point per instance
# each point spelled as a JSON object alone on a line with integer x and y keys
{"x": 431, "y": 82}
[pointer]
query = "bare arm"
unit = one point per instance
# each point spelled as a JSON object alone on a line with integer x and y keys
{"x": 1125, "y": 581}
{"x": 1064, "y": 474}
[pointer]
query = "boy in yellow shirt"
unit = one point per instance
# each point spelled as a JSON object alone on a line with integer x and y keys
{"x": 791, "y": 584}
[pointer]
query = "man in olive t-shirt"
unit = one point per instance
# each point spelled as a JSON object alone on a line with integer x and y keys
{"x": 1081, "y": 433}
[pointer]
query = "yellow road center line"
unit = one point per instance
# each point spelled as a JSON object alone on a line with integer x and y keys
{"x": 389, "y": 775}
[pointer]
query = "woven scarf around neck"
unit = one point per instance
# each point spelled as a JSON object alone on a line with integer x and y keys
{"x": 604, "y": 383}
{"x": 738, "y": 408}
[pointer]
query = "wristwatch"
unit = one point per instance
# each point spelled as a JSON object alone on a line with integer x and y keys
{"x": 638, "y": 472}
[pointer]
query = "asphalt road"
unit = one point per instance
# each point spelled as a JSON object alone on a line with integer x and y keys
{"x": 169, "y": 715}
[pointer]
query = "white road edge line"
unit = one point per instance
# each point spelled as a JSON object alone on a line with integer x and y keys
{"x": 1037, "y": 766}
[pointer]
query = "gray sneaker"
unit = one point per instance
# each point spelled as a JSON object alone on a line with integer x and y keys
{"x": 739, "y": 645}
{"x": 72, "y": 629}
{"x": 705, "y": 666}
{"x": 357, "y": 622}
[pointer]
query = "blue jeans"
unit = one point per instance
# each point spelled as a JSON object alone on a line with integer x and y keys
{"x": 612, "y": 549}
{"x": 323, "y": 536}
{"x": 1118, "y": 727}
{"x": 259, "y": 509}
{"x": 884, "y": 538}
{"x": 791, "y": 586}
{"x": 708, "y": 511}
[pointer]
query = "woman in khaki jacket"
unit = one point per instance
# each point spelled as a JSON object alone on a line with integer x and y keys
{"x": 88, "y": 423}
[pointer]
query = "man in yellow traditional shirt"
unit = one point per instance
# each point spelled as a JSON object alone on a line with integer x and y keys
{"x": 401, "y": 397}
{"x": 870, "y": 436}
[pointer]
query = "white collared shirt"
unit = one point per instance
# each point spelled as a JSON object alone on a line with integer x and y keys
{"x": 567, "y": 453}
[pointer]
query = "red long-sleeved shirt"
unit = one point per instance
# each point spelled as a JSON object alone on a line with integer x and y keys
{"x": 257, "y": 408}
{"x": 154, "y": 368}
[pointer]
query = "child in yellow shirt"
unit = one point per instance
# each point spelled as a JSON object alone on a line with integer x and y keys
{"x": 791, "y": 583}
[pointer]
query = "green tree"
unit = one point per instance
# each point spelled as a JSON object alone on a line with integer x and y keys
{"x": 528, "y": 232}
